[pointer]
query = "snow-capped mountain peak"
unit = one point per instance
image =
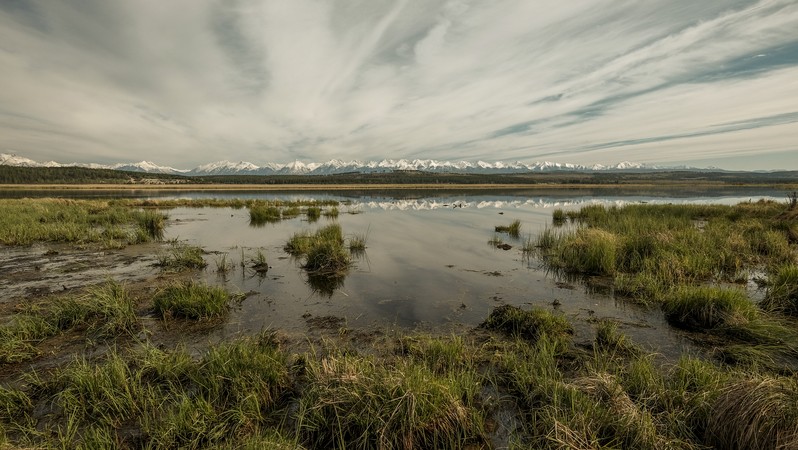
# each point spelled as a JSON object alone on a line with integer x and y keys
{"x": 336, "y": 166}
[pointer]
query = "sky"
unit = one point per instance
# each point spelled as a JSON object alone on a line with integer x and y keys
{"x": 187, "y": 82}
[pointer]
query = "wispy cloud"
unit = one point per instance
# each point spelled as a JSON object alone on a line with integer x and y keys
{"x": 188, "y": 81}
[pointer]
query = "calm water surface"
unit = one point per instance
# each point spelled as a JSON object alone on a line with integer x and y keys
{"x": 428, "y": 264}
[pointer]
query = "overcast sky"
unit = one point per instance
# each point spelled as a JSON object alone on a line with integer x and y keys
{"x": 186, "y": 82}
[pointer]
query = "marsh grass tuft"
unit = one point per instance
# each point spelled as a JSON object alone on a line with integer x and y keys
{"x": 152, "y": 223}
{"x": 181, "y": 256}
{"x": 324, "y": 251}
{"x": 357, "y": 243}
{"x": 191, "y": 300}
{"x": 331, "y": 213}
{"x": 259, "y": 263}
{"x": 609, "y": 340}
{"x": 261, "y": 214}
{"x": 359, "y": 403}
{"x": 514, "y": 229}
{"x": 756, "y": 413}
{"x": 530, "y": 325}
{"x": 313, "y": 213}
{"x": 558, "y": 217}
{"x": 706, "y": 308}
{"x": 103, "y": 312}
{"x": 223, "y": 265}
{"x": 782, "y": 295}
{"x": 291, "y": 212}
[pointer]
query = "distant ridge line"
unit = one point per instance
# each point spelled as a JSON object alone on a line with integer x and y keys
{"x": 336, "y": 166}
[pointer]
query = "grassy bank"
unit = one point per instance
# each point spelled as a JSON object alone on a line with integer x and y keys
{"x": 518, "y": 381}
{"x": 694, "y": 262}
{"x": 25, "y": 221}
{"x": 649, "y": 250}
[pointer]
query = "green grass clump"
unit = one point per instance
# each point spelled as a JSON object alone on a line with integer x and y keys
{"x": 514, "y": 229}
{"x": 291, "y": 212}
{"x": 102, "y": 312}
{"x": 181, "y": 256}
{"x": 756, "y": 413}
{"x": 324, "y": 251}
{"x": 558, "y": 217}
{"x": 706, "y": 308}
{"x": 590, "y": 251}
{"x": 191, "y": 300}
{"x": 313, "y": 213}
{"x": 530, "y": 325}
{"x": 782, "y": 295}
{"x": 438, "y": 354}
{"x": 152, "y": 223}
{"x": 359, "y": 403}
{"x": 611, "y": 341}
{"x": 260, "y": 214}
{"x": 327, "y": 257}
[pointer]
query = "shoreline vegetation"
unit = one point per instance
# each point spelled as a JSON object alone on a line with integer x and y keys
{"x": 95, "y": 368}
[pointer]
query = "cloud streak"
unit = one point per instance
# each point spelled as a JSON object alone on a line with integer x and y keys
{"x": 596, "y": 81}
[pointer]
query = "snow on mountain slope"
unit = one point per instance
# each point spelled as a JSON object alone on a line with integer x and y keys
{"x": 337, "y": 166}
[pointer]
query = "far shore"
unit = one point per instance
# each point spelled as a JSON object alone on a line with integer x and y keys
{"x": 342, "y": 187}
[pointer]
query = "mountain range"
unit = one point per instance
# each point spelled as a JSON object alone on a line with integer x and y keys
{"x": 337, "y": 166}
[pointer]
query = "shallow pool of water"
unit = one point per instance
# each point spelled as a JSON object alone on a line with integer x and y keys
{"x": 428, "y": 264}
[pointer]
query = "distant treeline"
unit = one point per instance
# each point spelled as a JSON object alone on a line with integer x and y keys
{"x": 80, "y": 175}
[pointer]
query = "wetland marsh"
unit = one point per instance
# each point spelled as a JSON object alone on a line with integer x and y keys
{"x": 329, "y": 313}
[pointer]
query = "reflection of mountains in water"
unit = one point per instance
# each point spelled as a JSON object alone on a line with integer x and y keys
{"x": 540, "y": 203}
